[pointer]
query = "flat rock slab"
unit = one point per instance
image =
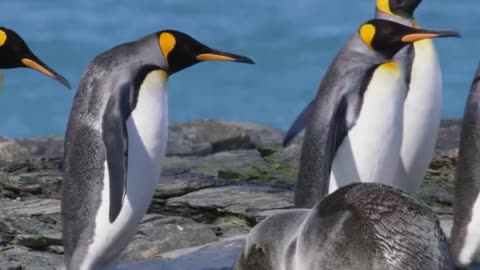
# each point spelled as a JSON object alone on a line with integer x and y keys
{"x": 51, "y": 147}
{"x": 240, "y": 165}
{"x": 189, "y": 138}
{"x": 11, "y": 150}
{"x": 158, "y": 234}
{"x": 182, "y": 182}
{"x": 243, "y": 200}
{"x": 28, "y": 207}
{"x": 207, "y": 137}
{"x": 216, "y": 256}
{"x": 21, "y": 258}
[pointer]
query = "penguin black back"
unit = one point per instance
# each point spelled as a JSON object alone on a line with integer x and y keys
{"x": 467, "y": 182}
{"x": 360, "y": 226}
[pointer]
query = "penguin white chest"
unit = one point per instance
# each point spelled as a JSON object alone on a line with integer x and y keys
{"x": 422, "y": 115}
{"x": 147, "y": 129}
{"x": 370, "y": 151}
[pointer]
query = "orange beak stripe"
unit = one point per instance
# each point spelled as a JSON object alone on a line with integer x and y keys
{"x": 416, "y": 37}
{"x": 34, "y": 65}
{"x": 214, "y": 57}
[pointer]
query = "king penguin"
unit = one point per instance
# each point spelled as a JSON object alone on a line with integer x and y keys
{"x": 465, "y": 239}
{"x": 422, "y": 108}
{"x": 355, "y": 129}
{"x": 15, "y": 53}
{"x": 115, "y": 142}
{"x": 359, "y": 226}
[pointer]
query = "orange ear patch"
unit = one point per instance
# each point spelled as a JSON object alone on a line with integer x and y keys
{"x": 367, "y": 33}
{"x": 167, "y": 42}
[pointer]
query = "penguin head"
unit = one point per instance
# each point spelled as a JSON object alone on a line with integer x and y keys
{"x": 14, "y": 53}
{"x": 181, "y": 51}
{"x": 400, "y": 8}
{"x": 387, "y": 37}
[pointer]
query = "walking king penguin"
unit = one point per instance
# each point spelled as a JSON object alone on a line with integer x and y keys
{"x": 355, "y": 128}
{"x": 422, "y": 109}
{"x": 14, "y": 53}
{"x": 115, "y": 142}
{"x": 465, "y": 239}
{"x": 359, "y": 226}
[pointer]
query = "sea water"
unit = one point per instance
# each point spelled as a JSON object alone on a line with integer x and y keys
{"x": 292, "y": 43}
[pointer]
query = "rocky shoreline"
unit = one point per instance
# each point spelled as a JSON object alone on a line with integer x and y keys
{"x": 219, "y": 180}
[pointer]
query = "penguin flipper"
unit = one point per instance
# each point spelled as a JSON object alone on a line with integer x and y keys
{"x": 115, "y": 138}
{"x": 299, "y": 124}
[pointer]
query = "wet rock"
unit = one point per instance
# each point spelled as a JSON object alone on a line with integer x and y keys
{"x": 230, "y": 226}
{"x": 28, "y": 208}
{"x": 159, "y": 234}
{"x": 238, "y": 165}
{"x": 38, "y": 242}
{"x": 438, "y": 185}
{"x": 56, "y": 249}
{"x": 8, "y": 265}
{"x": 207, "y": 137}
{"x": 11, "y": 150}
{"x": 26, "y": 259}
{"x": 184, "y": 182}
{"x": 216, "y": 256}
{"x": 244, "y": 200}
{"x": 219, "y": 180}
{"x": 30, "y": 165}
{"x": 42, "y": 184}
{"x": 50, "y": 147}
{"x": 449, "y": 135}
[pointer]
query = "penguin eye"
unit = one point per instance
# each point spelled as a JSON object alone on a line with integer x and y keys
{"x": 3, "y": 37}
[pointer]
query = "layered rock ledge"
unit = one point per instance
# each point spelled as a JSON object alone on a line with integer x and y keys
{"x": 219, "y": 180}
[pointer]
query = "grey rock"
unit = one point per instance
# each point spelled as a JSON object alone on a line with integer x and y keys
{"x": 159, "y": 234}
{"x": 56, "y": 249}
{"x": 184, "y": 182}
{"x": 231, "y": 226}
{"x": 9, "y": 265}
{"x": 51, "y": 147}
{"x": 27, "y": 259}
{"x": 448, "y": 137}
{"x": 29, "y": 207}
{"x": 207, "y": 137}
{"x": 217, "y": 256}
{"x": 243, "y": 200}
{"x": 239, "y": 165}
{"x": 28, "y": 225}
{"x": 38, "y": 242}
{"x": 42, "y": 184}
{"x": 11, "y": 150}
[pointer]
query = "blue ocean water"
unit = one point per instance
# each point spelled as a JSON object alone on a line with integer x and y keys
{"x": 292, "y": 43}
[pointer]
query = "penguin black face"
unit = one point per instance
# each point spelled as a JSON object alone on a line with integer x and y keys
{"x": 401, "y": 8}
{"x": 182, "y": 51}
{"x": 387, "y": 37}
{"x": 15, "y": 53}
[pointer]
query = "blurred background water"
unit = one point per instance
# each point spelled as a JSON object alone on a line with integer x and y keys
{"x": 292, "y": 43}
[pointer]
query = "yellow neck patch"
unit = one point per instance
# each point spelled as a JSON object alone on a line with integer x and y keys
{"x": 3, "y": 37}
{"x": 390, "y": 66}
{"x": 416, "y": 25}
{"x": 167, "y": 42}
{"x": 384, "y": 6}
{"x": 367, "y": 33}
{"x": 163, "y": 75}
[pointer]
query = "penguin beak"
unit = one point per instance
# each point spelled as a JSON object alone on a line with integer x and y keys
{"x": 421, "y": 34}
{"x": 35, "y": 63}
{"x": 214, "y": 55}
